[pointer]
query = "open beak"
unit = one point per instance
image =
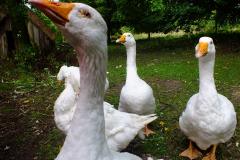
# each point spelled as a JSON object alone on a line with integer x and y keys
{"x": 202, "y": 49}
{"x": 122, "y": 39}
{"x": 57, "y": 11}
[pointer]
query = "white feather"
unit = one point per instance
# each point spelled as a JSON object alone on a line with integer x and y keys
{"x": 86, "y": 136}
{"x": 120, "y": 127}
{"x": 64, "y": 107}
{"x": 136, "y": 95}
{"x": 209, "y": 117}
{"x": 73, "y": 74}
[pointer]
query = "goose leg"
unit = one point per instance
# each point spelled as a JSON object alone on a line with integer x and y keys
{"x": 147, "y": 131}
{"x": 211, "y": 155}
{"x": 191, "y": 152}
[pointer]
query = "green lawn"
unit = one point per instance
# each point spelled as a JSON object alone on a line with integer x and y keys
{"x": 168, "y": 64}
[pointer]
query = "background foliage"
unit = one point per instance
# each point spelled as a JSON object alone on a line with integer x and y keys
{"x": 148, "y": 16}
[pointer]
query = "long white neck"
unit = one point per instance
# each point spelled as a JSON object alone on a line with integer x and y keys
{"x": 67, "y": 82}
{"x": 131, "y": 63}
{"x": 86, "y": 137}
{"x": 207, "y": 86}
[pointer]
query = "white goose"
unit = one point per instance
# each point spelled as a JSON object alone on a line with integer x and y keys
{"x": 120, "y": 127}
{"x": 73, "y": 74}
{"x": 64, "y": 107}
{"x": 209, "y": 118}
{"x": 136, "y": 95}
{"x": 85, "y": 30}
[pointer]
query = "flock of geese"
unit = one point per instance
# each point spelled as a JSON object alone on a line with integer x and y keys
{"x": 94, "y": 129}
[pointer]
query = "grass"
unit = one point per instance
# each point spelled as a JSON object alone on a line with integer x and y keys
{"x": 166, "y": 63}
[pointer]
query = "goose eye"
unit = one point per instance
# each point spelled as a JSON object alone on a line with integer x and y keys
{"x": 211, "y": 42}
{"x": 128, "y": 35}
{"x": 84, "y": 13}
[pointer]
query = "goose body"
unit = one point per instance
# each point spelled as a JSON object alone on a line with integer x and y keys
{"x": 208, "y": 125}
{"x": 209, "y": 117}
{"x": 85, "y": 30}
{"x": 120, "y": 127}
{"x": 64, "y": 107}
{"x": 136, "y": 95}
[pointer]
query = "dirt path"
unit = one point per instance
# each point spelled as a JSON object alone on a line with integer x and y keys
{"x": 22, "y": 126}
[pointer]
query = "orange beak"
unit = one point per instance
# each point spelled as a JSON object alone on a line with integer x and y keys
{"x": 57, "y": 11}
{"x": 122, "y": 39}
{"x": 202, "y": 49}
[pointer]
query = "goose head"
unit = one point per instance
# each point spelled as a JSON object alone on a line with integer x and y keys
{"x": 127, "y": 40}
{"x": 81, "y": 24}
{"x": 205, "y": 49}
{"x": 63, "y": 73}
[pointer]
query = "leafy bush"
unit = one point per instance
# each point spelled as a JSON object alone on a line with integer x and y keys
{"x": 125, "y": 29}
{"x": 26, "y": 57}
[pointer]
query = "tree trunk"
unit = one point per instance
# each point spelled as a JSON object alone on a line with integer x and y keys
{"x": 109, "y": 36}
{"x": 11, "y": 44}
{"x": 216, "y": 26}
{"x": 216, "y": 22}
{"x": 149, "y": 35}
{"x": 108, "y": 19}
{"x": 5, "y": 24}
